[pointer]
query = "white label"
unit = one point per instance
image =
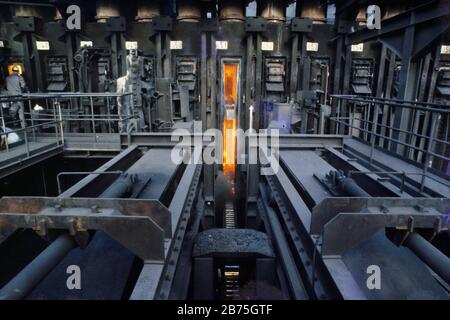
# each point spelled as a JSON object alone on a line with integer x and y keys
{"x": 312, "y": 46}
{"x": 358, "y": 47}
{"x": 176, "y": 45}
{"x": 131, "y": 45}
{"x": 221, "y": 45}
{"x": 43, "y": 45}
{"x": 86, "y": 44}
{"x": 445, "y": 49}
{"x": 2, "y": 44}
{"x": 266, "y": 46}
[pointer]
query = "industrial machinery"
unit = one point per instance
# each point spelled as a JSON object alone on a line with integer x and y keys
{"x": 225, "y": 149}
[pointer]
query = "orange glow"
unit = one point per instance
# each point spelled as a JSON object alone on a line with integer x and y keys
{"x": 230, "y": 96}
{"x": 230, "y": 83}
{"x": 229, "y": 146}
{"x": 11, "y": 66}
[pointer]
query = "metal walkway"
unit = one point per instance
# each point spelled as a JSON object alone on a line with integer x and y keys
{"x": 386, "y": 162}
{"x": 24, "y": 155}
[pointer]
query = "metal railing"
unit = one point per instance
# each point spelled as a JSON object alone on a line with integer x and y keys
{"x": 403, "y": 175}
{"x": 28, "y": 127}
{"x": 421, "y": 135}
{"x": 59, "y": 114}
{"x": 89, "y": 113}
{"x": 82, "y": 173}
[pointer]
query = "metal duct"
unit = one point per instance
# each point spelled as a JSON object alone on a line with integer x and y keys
{"x": 57, "y": 16}
{"x": 272, "y": 10}
{"x": 188, "y": 10}
{"x": 232, "y": 10}
{"x": 147, "y": 10}
{"x": 28, "y": 11}
{"x": 314, "y": 10}
{"x": 106, "y": 9}
{"x": 361, "y": 17}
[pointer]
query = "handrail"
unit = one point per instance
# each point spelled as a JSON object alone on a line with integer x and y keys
{"x": 79, "y": 173}
{"x": 391, "y": 103}
{"x": 420, "y": 143}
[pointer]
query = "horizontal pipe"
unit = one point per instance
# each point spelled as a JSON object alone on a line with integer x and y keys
{"x": 430, "y": 255}
{"x": 27, "y": 279}
{"x": 122, "y": 186}
{"x": 352, "y": 188}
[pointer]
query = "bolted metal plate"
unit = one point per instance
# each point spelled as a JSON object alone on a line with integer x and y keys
{"x": 116, "y": 24}
{"x": 139, "y": 225}
{"x": 255, "y": 24}
{"x": 25, "y": 24}
{"x": 301, "y": 25}
{"x": 162, "y": 23}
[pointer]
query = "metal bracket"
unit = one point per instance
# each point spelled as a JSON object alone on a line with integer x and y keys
{"x": 116, "y": 24}
{"x": 139, "y": 225}
{"x": 162, "y": 23}
{"x": 255, "y": 24}
{"x": 346, "y": 222}
{"x": 25, "y": 24}
{"x": 301, "y": 25}
{"x": 210, "y": 25}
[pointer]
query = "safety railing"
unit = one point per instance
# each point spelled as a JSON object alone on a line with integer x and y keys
{"x": 88, "y": 113}
{"x": 25, "y": 130}
{"x": 401, "y": 174}
{"x": 414, "y": 130}
{"x": 49, "y": 117}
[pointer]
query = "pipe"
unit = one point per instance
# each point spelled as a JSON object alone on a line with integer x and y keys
{"x": 36, "y": 270}
{"x": 313, "y": 10}
{"x": 232, "y": 10}
{"x": 273, "y": 11}
{"x": 350, "y": 186}
{"x": 361, "y": 18}
{"x": 28, "y": 11}
{"x": 27, "y": 279}
{"x": 430, "y": 255}
{"x": 188, "y": 11}
{"x": 121, "y": 187}
{"x": 147, "y": 10}
{"x": 106, "y": 9}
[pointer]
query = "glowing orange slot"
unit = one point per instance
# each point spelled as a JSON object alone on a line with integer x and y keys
{"x": 229, "y": 145}
{"x": 230, "y": 83}
{"x": 230, "y": 95}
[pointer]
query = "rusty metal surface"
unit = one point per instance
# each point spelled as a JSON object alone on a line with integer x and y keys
{"x": 139, "y": 225}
